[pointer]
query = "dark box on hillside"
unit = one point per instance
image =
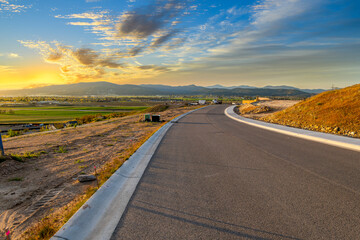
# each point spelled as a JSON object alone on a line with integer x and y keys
{"x": 155, "y": 118}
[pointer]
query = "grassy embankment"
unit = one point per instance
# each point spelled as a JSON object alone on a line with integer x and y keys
{"x": 336, "y": 111}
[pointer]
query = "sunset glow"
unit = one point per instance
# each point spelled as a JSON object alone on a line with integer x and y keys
{"x": 302, "y": 43}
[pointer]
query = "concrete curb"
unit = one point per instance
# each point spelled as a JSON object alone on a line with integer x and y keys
{"x": 99, "y": 216}
{"x": 326, "y": 138}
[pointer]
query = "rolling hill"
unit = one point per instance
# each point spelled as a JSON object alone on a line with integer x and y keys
{"x": 111, "y": 89}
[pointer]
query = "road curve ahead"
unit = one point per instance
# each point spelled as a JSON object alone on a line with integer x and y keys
{"x": 215, "y": 178}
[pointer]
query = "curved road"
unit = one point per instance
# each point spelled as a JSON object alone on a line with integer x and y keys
{"x": 215, "y": 178}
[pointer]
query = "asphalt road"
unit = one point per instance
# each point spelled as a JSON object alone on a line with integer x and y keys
{"x": 215, "y": 178}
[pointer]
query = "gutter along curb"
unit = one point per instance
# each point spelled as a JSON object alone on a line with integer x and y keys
{"x": 326, "y": 138}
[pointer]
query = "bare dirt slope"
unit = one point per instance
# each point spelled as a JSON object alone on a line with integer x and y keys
{"x": 30, "y": 189}
{"x": 336, "y": 111}
{"x": 265, "y": 108}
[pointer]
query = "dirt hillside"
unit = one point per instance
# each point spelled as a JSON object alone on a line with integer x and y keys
{"x": 336, "y": 111}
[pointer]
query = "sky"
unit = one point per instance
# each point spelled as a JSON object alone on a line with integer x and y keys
{"x": 300, "y": 43}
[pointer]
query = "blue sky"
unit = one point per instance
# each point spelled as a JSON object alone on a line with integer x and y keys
{"x": 303, "y": 43}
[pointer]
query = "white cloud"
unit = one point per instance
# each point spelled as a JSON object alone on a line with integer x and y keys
{"x": 10, "y": 55}
{"x": 237, "y": 11}
{"x": 271, "y": 11}
{"x": 5, "y": 68}
{"x": 13, "y": 55}
{"x": 7, "y": 6}
{"x": 86, "y": 15}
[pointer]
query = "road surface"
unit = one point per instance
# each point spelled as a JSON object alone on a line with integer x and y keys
{"x": 215, "y": 178}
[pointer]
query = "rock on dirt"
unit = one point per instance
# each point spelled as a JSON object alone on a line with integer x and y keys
{"x": 86, "y": 178}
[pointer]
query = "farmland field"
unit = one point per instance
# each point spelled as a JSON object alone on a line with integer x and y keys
{"x": 53, "y": 114}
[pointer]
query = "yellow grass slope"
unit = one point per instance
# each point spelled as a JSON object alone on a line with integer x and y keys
{"x": 336, "y": 111}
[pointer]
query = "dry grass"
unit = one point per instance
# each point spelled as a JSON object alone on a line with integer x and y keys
{"x": 336, "y": 111}
{"x": 49, "y": 225}
{"x": 246, "y": 108}
{"x": 249, "y": 108}
{"x": 157, "y": 108}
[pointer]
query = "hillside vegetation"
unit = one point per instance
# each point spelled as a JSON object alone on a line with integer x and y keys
{"x": 336, "y": 111}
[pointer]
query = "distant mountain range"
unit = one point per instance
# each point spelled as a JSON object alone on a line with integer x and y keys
{"x": 312, "y": 91}
{"x": 111, "y": 89}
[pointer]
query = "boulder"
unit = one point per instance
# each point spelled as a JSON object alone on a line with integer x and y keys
{"x": 86, "y": 178}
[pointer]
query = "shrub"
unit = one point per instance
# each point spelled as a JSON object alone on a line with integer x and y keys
{"x": 62, "y": 149}
{"x": 15, "y": 179}
{"x": 12, "y": 133}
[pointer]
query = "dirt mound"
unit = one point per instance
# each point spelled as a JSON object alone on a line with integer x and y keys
{"x": 335, "y": 111}
{"x": 249, "y": 108}
{"x": 262, "y": 109}
{"x": 8, "y": 165}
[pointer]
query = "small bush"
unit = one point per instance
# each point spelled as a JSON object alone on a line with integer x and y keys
{"x": 12, "y": 133}
{"x": 62, "y": 149}
{"x": 15, "y": 179}
{"x": 44, "y": 129}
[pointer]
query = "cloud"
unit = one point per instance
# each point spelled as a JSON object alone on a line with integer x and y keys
{"x": 154, "y": 68}
{"x": 77, "y": 62}
{"x": 95, "y": 23}
{"x": 7, "y": 6}
{"x": 99, "y": 23}
{"x": 237, "y": 11}
{"x": 84, "y": 64}
{"x": 10, "y": 55}
{"x": 135, "y": 51}
{"x": 54, "y": 56}
{"x": 86, "y": 56}
{"x": 86, "y": 15}
{"x": 65, "y": 69}
{"x": 146, "y": 21}
{"x": 110, "y": 63}
{"x": 13, "y": 55}
{"x": 278, "y": 40}
{"x": 120, "y": 41}
{"x": 164, "y": 38}
{"x": 141, "y": 30}
{"x": 175, "y": 43}
{"x": 5, "y": 68}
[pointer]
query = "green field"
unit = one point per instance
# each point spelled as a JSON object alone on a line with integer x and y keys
{"x": 58, "y": 113}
